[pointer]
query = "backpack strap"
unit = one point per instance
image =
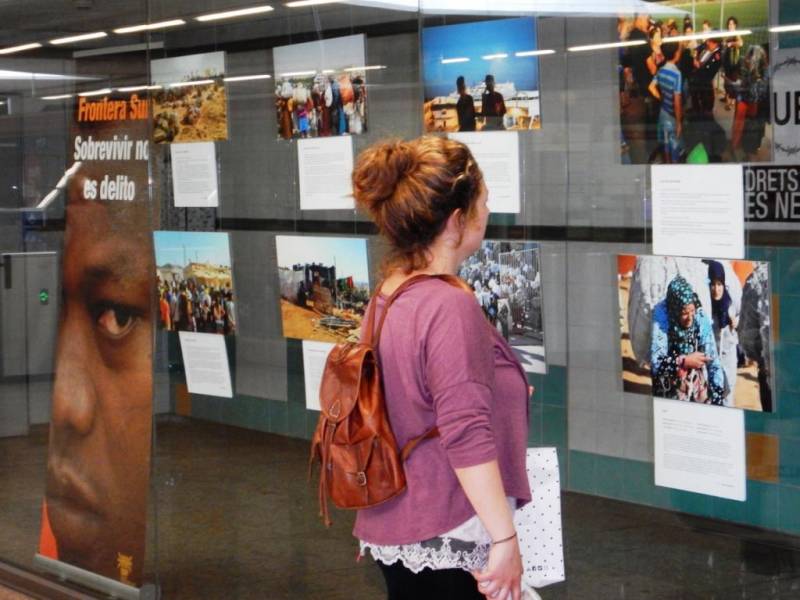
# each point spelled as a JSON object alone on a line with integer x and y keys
{"x": 414, "y": 442}
{"x": 373, "y": 336}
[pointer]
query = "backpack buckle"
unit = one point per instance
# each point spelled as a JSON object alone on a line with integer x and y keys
{"x": 361, "y": 478}
{"x": 335, "y": 409}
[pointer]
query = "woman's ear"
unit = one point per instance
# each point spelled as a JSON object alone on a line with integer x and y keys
{"x": 454, "y": 229}
{"x": 456, "y": 221}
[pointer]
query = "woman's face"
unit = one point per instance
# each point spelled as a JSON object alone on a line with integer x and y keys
{"x": 687, "y": 315}
{"x": 731, "y": 25}
{"x": 717, "y": 289}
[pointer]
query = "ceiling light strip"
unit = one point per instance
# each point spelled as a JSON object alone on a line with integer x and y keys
{"x": 20, "y": 48}
{"x": 246, "y": 78}
{"x": 232, "y": 14}
{"x": 79, "y": 38}
{"x": 150, "y": 26}
{"x": 605, "y": 46}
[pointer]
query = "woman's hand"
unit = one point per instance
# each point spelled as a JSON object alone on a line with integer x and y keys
{"x": 695, "y": 360}
{"x": 502, "y": 577}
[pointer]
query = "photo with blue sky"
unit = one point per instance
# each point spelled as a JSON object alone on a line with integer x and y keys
{"x": 482, "y": 44}
{"x": 180, "y": 248}
{"x": 348, "y": 255}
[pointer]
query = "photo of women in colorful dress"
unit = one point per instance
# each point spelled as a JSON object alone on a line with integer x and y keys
{"x": 506, "y": 280}
{"x": 321, "y": 88}
{"x": 696, "y": 330}
{"x": 694, "y": 82}
{"x": 488, "y": 84}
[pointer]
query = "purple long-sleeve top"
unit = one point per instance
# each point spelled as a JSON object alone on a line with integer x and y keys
{"x": 443, "y": 365}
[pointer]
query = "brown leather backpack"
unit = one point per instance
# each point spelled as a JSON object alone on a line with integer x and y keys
{"x": 361, "y": 465}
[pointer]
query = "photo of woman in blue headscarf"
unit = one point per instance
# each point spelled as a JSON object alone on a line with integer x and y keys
{"x": 725, "y": 319}
{"x": 685, "y": 364}
{"x": 696, "y": 329}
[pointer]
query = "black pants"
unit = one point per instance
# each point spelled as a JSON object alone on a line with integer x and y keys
{"x": 445, "y": 584}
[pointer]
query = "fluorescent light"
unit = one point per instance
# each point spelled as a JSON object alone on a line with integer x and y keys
{"x": 138, "y": 88}
{"x": 301, "y": 3}
{"x": 23, "y": 47}
{"x": 150, "y": 26}
{"x": 365, "y": 68}
{"x": 449, "y": 61}
{"x": 5, "y": 74}
{"x": 604, "y": 46}
{"x": 247, "y": 78}
{"x": 298, "y": 74}
{"x": 328, "y": 71}
{"x": 784, "y": 28}
{"x": 534, "y": 53}
{"x": 61, "y": 97}
{"x": 230, "y": 14}
{"x": 102, "y": 92}
{"x": 79, "y": 38}
{"x": 495, "y": 56}
{"x": 187, "y": 83}
{"x": 708, "y": 35}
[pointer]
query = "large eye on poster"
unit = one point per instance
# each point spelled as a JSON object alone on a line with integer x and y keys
{"x": 696, "y": 329}
{"x": 481, "y": 76}
{"x": 321, "y": 88}
{"x": 189, "y": 99}
{"x": 507, "y": 282}
{"x": 324, "y": 286}
{"x": 694, "y": 82}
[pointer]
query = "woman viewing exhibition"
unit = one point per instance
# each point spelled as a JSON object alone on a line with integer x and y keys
{"x": 685, "y": 362}
{"x": 450, "y": 534}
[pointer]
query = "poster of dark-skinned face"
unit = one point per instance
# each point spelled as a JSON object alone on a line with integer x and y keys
{"x": 98, "y": 462}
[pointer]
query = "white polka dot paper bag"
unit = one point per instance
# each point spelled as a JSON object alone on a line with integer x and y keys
{"x": 538, "y": 523}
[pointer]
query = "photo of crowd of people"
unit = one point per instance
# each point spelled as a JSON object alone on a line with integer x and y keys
{"x": 489, "y": 84}
{"x": 189, "y": 100}
{"x": 321, "y": 88}
{"x": 324, "y": 287}
{"x": 506, "y": 280}
{"x": 195, "y": 282}
{"x": 697, "y": 330}
{"x": 694, "y": 86}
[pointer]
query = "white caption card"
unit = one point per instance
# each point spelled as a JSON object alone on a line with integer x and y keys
{"x": 205, "y": 359}
{"x": 497, "y": 154}
{"x": 700, "y": 448}
{"x": 314, "y": 356}
{"x": 194, "y": 174}
{"x": 325, "y": 166}
{"x": 698, "y": 210}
